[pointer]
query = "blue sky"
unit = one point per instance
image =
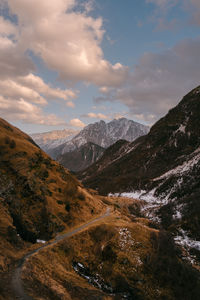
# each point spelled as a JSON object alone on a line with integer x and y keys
{"x": 68, "y": 63}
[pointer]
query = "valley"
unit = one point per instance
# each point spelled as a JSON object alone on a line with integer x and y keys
{"x": 99, "y": 150}
{"x": 127, "y": 230}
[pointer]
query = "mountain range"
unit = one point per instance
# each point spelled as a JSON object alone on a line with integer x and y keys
{"x": 72, "y": 153}
{"x": 162, "y": 168}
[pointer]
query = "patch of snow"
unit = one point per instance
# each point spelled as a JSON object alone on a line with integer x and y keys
{"x": 186, "y": 241}
{"x": 138, "y": 260}
{"x": 40, "y": 241}
{"x": 151, "y": 202}
{"x": 139, "y": 194}
{"x": 181, "y": 128}
{"x": 178, "y": 215}
{"x": 181, "y": 169}
{"x": 126, "y": 240}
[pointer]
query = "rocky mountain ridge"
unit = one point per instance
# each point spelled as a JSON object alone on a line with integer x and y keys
{"x": 105, "y": 134}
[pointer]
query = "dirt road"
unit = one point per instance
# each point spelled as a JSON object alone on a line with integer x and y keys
{"x": 17, "y": 284}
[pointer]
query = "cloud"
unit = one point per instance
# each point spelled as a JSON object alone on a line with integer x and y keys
{"x": 68, "y": 41}
{"x": 35, "y": 82}
{"x": 12, "y": 61}
{"x": 163, "y": 7}
{"x": 12, "y": 89}
{"x": 33, "y": 89}
{"x": 7, "y": 28}
{"x": 77, "y": 123}
{"x": 66, "y": 38}
{"x": 70, "y": 104}
{"x": 21, "y": 110}
{"x": 159, "y": 80}
{"x": 96, "y": 116}
{"x": 21, "y": 95}
{"x": 104, "y": 89}
{"x": 161, "y": 16}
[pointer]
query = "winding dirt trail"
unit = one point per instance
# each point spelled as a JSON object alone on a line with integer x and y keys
{"x": 17, "y": 283}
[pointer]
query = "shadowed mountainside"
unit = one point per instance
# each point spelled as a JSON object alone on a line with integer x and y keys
{"x": 166, "y": 162}
{"x": 82, "y": 157}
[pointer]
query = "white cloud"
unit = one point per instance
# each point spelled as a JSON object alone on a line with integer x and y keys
{"x": 21, "y": 110}
{"x": 37, "y": 83}
{"x": 12, "y": 89}
{"x": 67, "y": 41}
{"x": 63, "y": 35}
{"x": 96, "y": 116}
{"x": 77, "y": 123}
{"x": 27, "y": 91}
{"x": 33, "y": 89}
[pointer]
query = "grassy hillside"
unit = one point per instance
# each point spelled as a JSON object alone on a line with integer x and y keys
{"x": 38, "y": 197}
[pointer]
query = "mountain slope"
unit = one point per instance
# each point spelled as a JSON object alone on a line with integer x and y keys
{"x": 103, "y": 134}
{"x": 38, "y": 197}
{"x": 82, "y": 157}
{"x": 165, "y": 162}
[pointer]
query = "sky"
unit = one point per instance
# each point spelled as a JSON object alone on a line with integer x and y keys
{"x": 68, "y": 63}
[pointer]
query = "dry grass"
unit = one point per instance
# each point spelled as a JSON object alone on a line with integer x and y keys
{"x": 124, "y": 253}
{"x": 34, "y": 192}
{"x": 113, "y": 251}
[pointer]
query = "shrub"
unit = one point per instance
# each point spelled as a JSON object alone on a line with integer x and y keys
{"x": 108, "y": 254}
{"x": 67, "y": 206}
{"x": 7, "y": 140}
{"x": 12, "y": 144}
{"x": 60, "y": 202}
{"x": 81, "y": 196}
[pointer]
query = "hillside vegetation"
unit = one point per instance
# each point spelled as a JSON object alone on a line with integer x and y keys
{"x": 38, "y": 197}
